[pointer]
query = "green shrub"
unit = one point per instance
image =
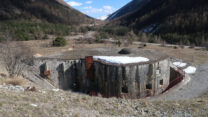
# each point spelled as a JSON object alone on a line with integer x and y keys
{"x": 103, "y": 35}
{"x": 121, "y": 31}
{"x": 151, "y": 40}
{"x": 118, "y": 43}
{"x": 22, "y": 36}
{"x": 59, "y": 41}
{"x": 98, "y": 39}
{"x": 90, "y": 28}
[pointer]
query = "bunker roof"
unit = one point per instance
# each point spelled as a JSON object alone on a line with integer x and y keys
{"x": 152, "y": 55}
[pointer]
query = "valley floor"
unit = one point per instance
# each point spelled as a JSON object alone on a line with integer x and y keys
{"x": 186, "y": 101}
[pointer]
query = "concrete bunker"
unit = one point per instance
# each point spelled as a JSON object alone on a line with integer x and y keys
{"x": 86, "y": 74}
{"x": 134, "y": 80}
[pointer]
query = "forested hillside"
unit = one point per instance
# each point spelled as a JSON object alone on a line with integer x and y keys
{"x": 35, "y": 19}
{"x": 52, "y": 11}
{"x": 130, "y": 7}
{"x": 176, "y": 21}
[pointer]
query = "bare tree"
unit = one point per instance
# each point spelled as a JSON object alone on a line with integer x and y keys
{"x": 15, "y": 56}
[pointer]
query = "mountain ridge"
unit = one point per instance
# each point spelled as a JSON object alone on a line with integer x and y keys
{"x": 129, "y": 7}
{"x": 53, "y": 11}
{"x": 174, "y": 20}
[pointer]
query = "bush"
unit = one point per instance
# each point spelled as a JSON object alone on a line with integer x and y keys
{"x": 59, "y": 41}
{"x": 118, "y": 43}
{"x": 89, "y": 28}
{"x": 121, "y": 31}
{"x": 98, "y": 40}
{"x": 151, "y": 40}
{"x": 22, "y": 36}
{"x": 103, "y": 35}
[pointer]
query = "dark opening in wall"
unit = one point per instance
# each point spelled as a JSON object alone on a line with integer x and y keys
{"x": 125, "y": 89}
{"x": 149, "y": 86}
{"x": 161, "y": 82}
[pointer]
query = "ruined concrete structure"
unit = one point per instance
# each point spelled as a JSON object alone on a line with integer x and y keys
{"x": 134, "y": 80}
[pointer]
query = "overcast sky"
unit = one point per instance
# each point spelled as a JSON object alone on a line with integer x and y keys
{"x": 97, "y": 8}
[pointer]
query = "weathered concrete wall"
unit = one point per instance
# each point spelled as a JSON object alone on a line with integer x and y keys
{"x": 64, "y": 74}
{"x": 132, "y": 80}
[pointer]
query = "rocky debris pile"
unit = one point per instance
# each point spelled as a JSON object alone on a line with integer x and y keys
{"x": 31, "y": 88}
{"x": 16, "y": 88}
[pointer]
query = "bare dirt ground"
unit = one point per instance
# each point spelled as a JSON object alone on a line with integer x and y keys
{"x": 43, "y": 47}
{"x": 190, "y": 55}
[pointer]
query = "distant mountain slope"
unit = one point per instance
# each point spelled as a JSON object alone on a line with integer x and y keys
{"x": 53, "y": 11}
{"x": 177, "y": 21}
{"x": 131, "y": 6}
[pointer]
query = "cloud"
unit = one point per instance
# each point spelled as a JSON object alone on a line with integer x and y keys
{"x": 74, "y": 4}
{"x": 88, "y": 2}
{"x": 104, "y": 10}
{"x": 100, "y": 13}
{"x": 103, "y": 17}
{"x": 108, "y": 9}
{"x": 92, "y": 10}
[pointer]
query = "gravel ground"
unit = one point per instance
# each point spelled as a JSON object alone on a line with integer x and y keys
{"x": 68, "y": 104}
{"x": 196, "y": 87}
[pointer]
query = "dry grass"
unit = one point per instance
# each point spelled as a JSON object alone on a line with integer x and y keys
{"x": 14, "y": 81}
{"x": 190, "y": 55}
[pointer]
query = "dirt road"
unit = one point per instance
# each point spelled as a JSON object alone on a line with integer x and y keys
{"x": 196, "y": 87}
